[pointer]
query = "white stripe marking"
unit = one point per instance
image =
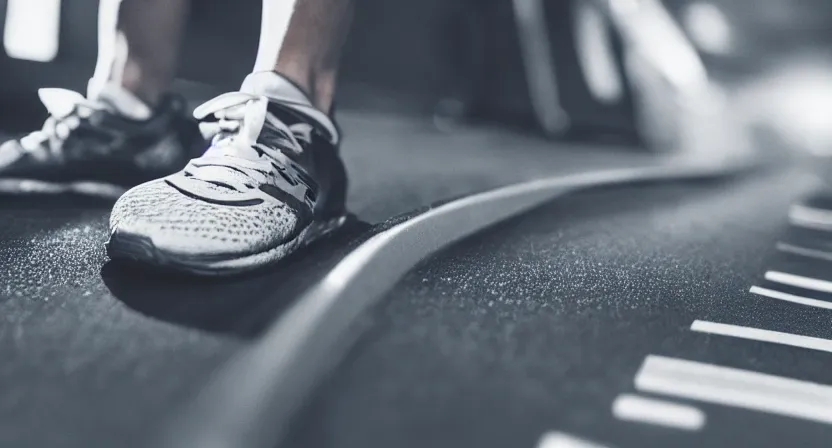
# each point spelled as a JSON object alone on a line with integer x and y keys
{"x": 737, "y": 388}
{"x": 805, "y": 252}
{"x": 810, "y": 217}
{"x": 772, "y": 294}
{"x": 563, "y": 440}
{"x": 756, "y": 334}
{"x": 799, "y": 281}
{"x": 658, "y": 412}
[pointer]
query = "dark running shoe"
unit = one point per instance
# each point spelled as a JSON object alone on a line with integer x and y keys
{"x": 92, "y": 147}
{"x": 271, "y": 182}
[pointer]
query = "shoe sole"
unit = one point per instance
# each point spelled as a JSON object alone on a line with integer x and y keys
{"x": 88, "y": 188}
{"x": 139, "y": 248}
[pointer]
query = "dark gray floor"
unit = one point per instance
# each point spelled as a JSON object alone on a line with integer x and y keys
{"x": 99, "y": 357}
{"x": 539, "y": 324}
{"x": 400, "y": 164}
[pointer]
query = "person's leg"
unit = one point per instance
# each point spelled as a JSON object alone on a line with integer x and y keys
{"x": 138, "y": 46}
{"x": 130, "y": 130}
{"x": 272, "y": 180}
{"x": 302, "y": 40}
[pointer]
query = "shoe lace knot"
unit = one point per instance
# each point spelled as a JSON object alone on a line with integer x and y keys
{"x": 67, "y": 109}
{"x": 249, "y": 147}
{"x": 240, "y": 121}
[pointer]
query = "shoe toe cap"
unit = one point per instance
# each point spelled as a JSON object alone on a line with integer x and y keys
{"x": 179, "y": 224}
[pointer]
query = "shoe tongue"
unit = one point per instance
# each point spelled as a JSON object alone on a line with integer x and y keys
{"x": 121, "y": 101}
{"x": 290, "y": 97}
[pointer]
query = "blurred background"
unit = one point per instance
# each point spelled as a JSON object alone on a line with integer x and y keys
{"x": 630, "y": 71}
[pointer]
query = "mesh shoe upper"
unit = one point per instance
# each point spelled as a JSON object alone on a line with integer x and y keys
{"x": 188, "y": 226}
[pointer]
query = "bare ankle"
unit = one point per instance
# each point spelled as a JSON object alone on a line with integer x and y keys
{"x": 324, "y": 88}
{"x": 319, "y": 87}
{"x": 141, "y": 83}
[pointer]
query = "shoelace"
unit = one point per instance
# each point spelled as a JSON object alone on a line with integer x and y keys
{"x": 235, "y": 149}
{"x": 66, "y": 110}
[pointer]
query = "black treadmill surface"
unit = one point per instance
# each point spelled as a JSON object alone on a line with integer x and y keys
{"x": 533, "y": 326}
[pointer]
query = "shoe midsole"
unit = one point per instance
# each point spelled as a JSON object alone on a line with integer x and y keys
{"x": 227, "y": 264}
{"x": 92, "y": 188}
